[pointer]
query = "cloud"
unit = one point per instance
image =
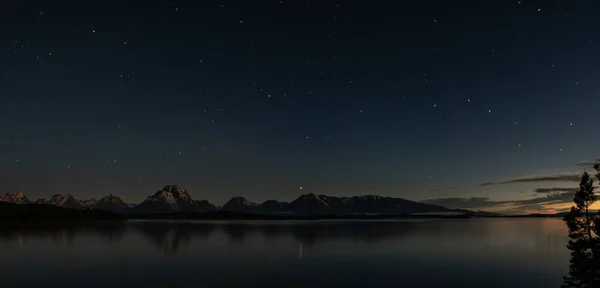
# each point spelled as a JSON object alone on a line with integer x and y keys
{"x": 588, "y": 163}
{"x": 556, "y": 198}
{"x": 556, "y": 178}
{"x": 484, "y": 202}
{"x": 553, "y": 190}
{"x": 533, "y": 208}
{"x": 539, "y": 178}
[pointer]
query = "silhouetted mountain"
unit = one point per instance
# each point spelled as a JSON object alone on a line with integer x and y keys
{"x": 10, "y": 212}
{"x": 309, "y": 204}
{"x": 273, "y": 206}
{"x": 15, "y": 197}
{"x": 367, "y": 204}
{"x": 112, "y": 203}
{"x": 65, "y": 201}
{"x": 240, "y": 204}
{"x": 204, "y": 206}
{"x": 172, "y": 198}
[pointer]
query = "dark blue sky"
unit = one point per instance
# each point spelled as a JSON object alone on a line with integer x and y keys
{"x": 413, "y": 99}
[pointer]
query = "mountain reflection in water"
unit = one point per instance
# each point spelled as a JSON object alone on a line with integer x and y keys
{"x": 489, "y": 252}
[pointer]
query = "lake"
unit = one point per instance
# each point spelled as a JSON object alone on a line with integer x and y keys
{"x": 528, "y": 252}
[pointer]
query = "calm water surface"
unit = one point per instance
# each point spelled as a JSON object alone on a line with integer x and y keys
{"x": 429, "y": 253}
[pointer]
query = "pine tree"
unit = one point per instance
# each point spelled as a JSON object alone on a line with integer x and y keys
{"x": 584, "y": 268}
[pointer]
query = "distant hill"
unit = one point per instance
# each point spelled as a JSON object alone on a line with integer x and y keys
{"x": 273, "y": 206}
{"x": 10, "y": 212}
{"x": 240, "y": 204}
{"x": 111, "y": 203}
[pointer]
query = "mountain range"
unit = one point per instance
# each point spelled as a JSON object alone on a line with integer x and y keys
{"x": 174, "y": 199}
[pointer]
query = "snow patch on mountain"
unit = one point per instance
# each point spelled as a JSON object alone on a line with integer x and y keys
{"x": 15, "y": 197}
{"x": 66, "y": 201}
{"x": 172, "y": 198}
{"x": 88, "y": 204}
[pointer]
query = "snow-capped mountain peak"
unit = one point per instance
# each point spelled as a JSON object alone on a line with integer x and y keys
{"x": 15, "y": 197}
{"x": 172, "y": 198}
{"x": 112, "y": 199}
{"x": 171, "y": 194}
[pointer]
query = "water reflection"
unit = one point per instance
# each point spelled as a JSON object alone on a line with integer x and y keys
{"x": 467, "y": 253}
{"x": 173, "y": 236}
{"x": 63, "y": 233}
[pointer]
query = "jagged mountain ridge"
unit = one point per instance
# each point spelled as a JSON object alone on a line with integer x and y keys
{"x": 172, "y": 199}
{"x": 65, "y": 201}
{"x": 366, "y": 204}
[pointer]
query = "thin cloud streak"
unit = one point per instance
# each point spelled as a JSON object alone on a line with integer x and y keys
{"x": 538, "y": 179}
{"x": 588, "y": 163}
{"x": 553, "y": 190}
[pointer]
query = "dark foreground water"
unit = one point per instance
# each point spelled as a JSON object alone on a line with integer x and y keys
{"x": 430, "y": 253}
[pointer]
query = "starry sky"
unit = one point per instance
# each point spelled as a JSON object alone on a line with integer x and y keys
{"x": 472, "y": 104}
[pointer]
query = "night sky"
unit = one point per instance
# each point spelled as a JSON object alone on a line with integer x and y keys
{"x": 473, "y": 104}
